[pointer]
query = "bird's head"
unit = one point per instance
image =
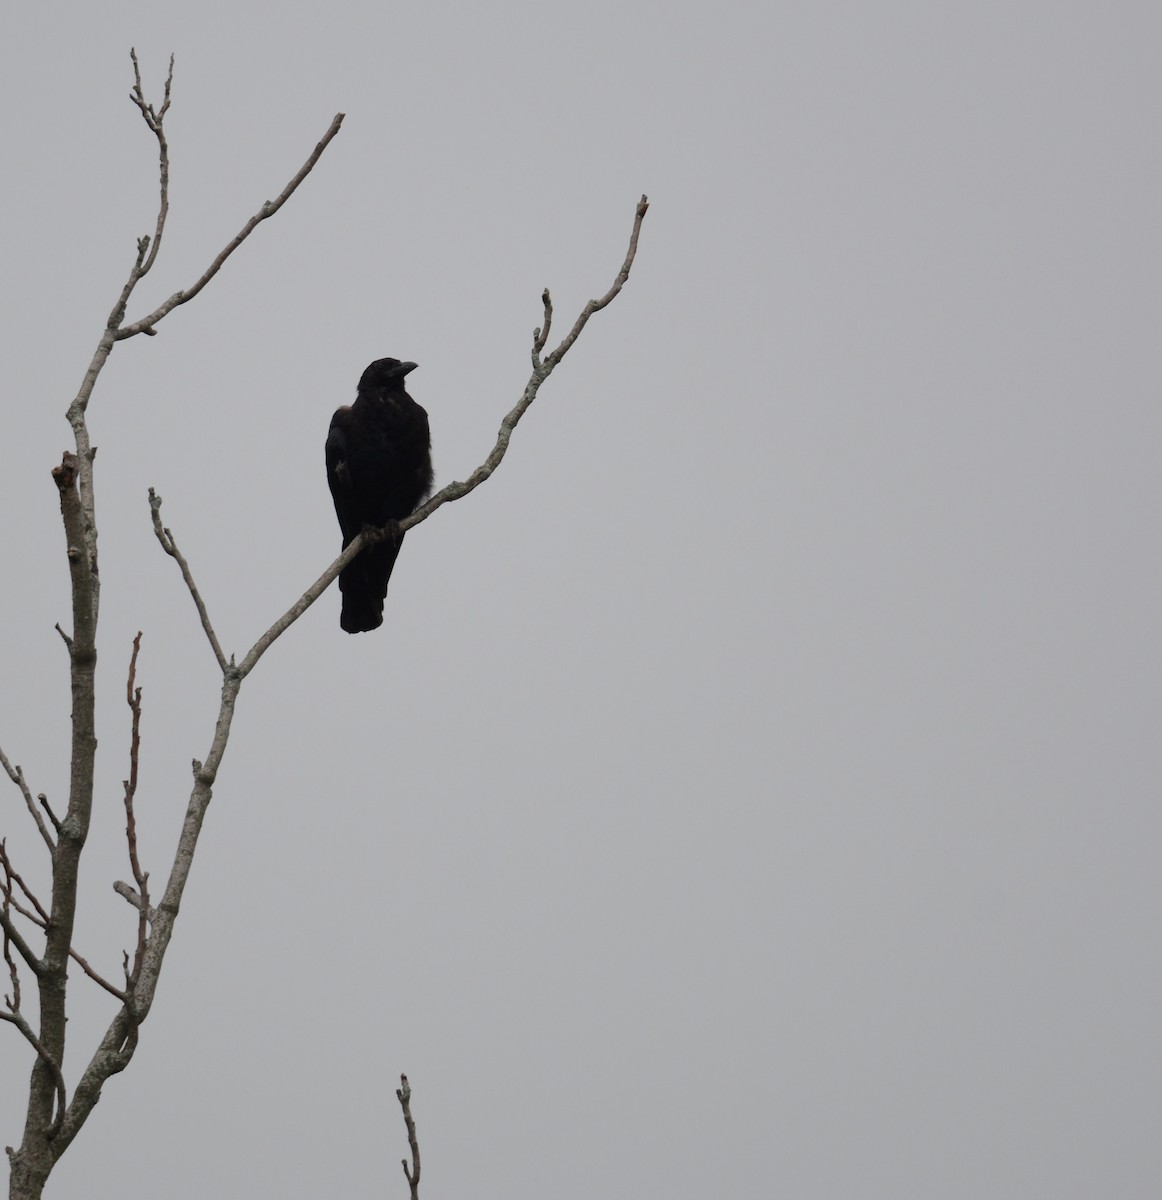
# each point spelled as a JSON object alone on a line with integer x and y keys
{"x": 385, "y": 373}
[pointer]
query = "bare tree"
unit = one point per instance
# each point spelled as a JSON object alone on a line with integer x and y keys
{"x": 54, "y": 1115}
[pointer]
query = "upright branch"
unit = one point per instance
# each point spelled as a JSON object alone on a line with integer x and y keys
{"x": 404, "y": 1095}
{"x": 155, "y": 119}
{"x": 13, "y": 999}
{"x": 140, "y": 877}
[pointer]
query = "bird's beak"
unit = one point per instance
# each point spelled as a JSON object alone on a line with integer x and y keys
{"x": 403, "y": 369}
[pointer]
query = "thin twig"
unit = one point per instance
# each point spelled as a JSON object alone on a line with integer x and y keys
{"x": 133, "y": 695}
{"x": 541, "y": 336}
{"x": 7, "y": 925}
{"x": 16, "y": 774}
{"x": 37, "y": 917}
{"x": 40, "y": 919}
{"x": 155, "y": 120}
{"x": 26, "y": 951}
{"x": 170, "y": 547}
{"x": 541, "y": 372}
{"x": 404, "y": 1095}
{"x": 98, "y": 979}
{"x": 13, "y": 973}
{"x": 146, "y": 324}
{"x": 12, "y": 876}
{"x": 597, "y": 305}
{"x": 43, "y": 799}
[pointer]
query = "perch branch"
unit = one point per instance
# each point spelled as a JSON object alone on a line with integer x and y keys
{"x": 456, "y": 490}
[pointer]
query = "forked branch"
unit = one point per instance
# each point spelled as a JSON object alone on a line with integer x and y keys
{"x": 155, "y": 119}
{"x": 147, "y": 324}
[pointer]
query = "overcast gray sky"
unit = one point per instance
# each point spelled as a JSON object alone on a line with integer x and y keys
{"x": 754, "y": 787}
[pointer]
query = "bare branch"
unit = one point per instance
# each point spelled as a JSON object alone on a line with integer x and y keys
{"x": 28, "y": 914}
{"x": 13, "y": 1001}
{"x": 48, "y": 811}
{"x": 11, "y": 876}
{"x": 7, "y": 925}
{"x": 17, "y": 777}
{"x": 154, "y": 119}
{"x": 541, "y": 336}
{"x": 170, "y": 547}
{"x": 133, "y": 696}
{"x": 14, "y": 1016}
{"x": 40, "y": 918}
{"x": 146, "y": 324}
{"x": 404, "y": 1095}
{"x": 13, "y": 935}
{"x": 132, "y": 896}
{"x": 541, "y": 372}
{"x": 6, "y": 905}
{"x": 112, "y": 989}
{"x": 597, "y": 305}
{"x": 300, "y": 606}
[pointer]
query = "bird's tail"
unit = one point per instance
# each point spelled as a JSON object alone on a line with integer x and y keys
{"x": 363, "y": 583}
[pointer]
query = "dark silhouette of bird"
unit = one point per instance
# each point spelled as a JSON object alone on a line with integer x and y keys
{"x": 379, "y": 466}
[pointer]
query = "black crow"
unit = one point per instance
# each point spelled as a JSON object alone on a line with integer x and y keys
{"x": 379, "y": 466}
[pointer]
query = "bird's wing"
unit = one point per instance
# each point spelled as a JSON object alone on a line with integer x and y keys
{"x": 339, "y": 475}
{"x": 419, "y": 451}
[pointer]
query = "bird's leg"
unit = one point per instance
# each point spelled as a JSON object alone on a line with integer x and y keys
{"x": 388, "y": 532}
